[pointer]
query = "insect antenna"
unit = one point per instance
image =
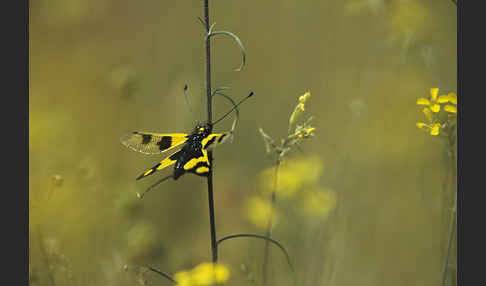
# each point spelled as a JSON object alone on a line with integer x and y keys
{"x": 140, "y": 196}
{"x": 217, "y": 91}
{"x": 187, "y": 102}
{"x": 235, "y": 107}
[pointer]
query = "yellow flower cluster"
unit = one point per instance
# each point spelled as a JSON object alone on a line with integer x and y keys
{"x": 296, "y": 135}
{"x": 304, "y": 133}
{"x": 203, "y": 275}
{"x": 293, "y": 174}
{"x": 432, "y": 108}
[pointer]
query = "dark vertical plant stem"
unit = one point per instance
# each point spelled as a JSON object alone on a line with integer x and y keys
{"x": 208, "y": 65}
{"x": 270, "y": 223}
{"x": 214, "y": 245}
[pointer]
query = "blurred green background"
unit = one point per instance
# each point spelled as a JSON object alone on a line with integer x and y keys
{"x": 100, "y": 68}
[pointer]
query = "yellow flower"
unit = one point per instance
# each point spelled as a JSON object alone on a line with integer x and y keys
{"x": 443, "y": 99}
{"x": 423, "y": 101}
{"x": 293, "y": 174}
{"x": 221, "y": 273}
{"x": 435, "y": 108}
{"x": 450, "y": 108}
{"x": 452, "y": 98}
{"x": 434, "y": 130}
{"x": 435, "y": 123}
{"x": 183, "y": 278}
{"x": 208, "y": 274}
{"x": 433, "y": 102}
{"x": 309, "y": 131}
{"x": 204, "y": 274}
{"x": 304, "y": 133}
{"x": 304, "y": 97}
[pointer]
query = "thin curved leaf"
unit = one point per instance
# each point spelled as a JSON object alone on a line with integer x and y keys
{"x": 260, "y": 237}
{"x": 147, "y": 268}
{"x": 162, "y": 274}
{"x": 238, "y": 41}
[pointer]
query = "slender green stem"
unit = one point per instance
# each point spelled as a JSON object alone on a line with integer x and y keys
{"x": 449, "y": 243}
{"x": 267, "y": 239}
{"x": 166, "y": 276}
{"x": 270, "y": 223}
{"x": 452, "y": 223}
{"x": 214, "y": 245}
{"x": 208, "y": 65}
{"x": 445, "y": 201}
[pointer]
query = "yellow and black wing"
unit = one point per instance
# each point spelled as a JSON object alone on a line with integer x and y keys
{"x": 163, "y": 164}
{"x": 212, "y": 140}
{"x": 199, "y": 164}
{"x": 152, "y": 143}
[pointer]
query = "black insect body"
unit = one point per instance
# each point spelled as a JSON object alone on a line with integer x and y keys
{"x": 192, "y": 150}
{"x": 192, "y": 156}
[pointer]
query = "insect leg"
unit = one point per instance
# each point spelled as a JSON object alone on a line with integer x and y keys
{"x": 152, "y": 186}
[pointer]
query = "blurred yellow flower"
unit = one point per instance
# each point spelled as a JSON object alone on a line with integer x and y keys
{"x": 292, "y": 175}
{"x": 420, "y": 124}
{"x": 259, "y": 211}
{"x": 208, "y": 274}
{"x": 183, "y": 278}
{"x": 203, "y": 274}
{"x": 319, "y": 202}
